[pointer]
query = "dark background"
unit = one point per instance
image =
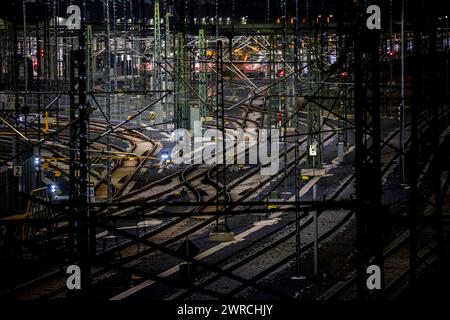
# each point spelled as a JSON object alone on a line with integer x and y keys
{"x": 255, "y": 10}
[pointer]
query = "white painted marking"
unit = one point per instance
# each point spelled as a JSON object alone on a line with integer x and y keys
{"x": 129, "y": 187}
{"x": 101, "y": 234}
{"x": 156, "y": 130}
{"x": 267, "y": 222}
{"x": 142, "y": 224}
{"x": 155, "y": 210}
{"x": 149, "y": 223}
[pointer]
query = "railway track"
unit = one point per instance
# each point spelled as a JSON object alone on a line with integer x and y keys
{"x": 172, "y": 225}
{"x": 176, "y": 237}
{"x": 185, "y": 181}
{"x": 396, "y": 257}
{"x": 292, "y": 233}
{"x": 100, "y": 181}
{"x": 249, "y": 255}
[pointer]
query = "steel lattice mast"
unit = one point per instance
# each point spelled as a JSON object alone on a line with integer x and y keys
{"x": 203, "y": 77}
{"x": 157, "y": 79}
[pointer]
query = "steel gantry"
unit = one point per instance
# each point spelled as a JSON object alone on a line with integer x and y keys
{"x": 314, "y": 119}
{"x": 168, "y": 101}
{"x": 203, "y": 76}
{"x": 181, "y": 93}
{"x": 90, "y": 58}
{"x": 222, "y": 230}
{"x": 80, "y": 219}
{"x": 157, "y": 61}
{"x": 272, "y": 77}
{"x": 344, "y": 93}
{"x": 369, "y": 213}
